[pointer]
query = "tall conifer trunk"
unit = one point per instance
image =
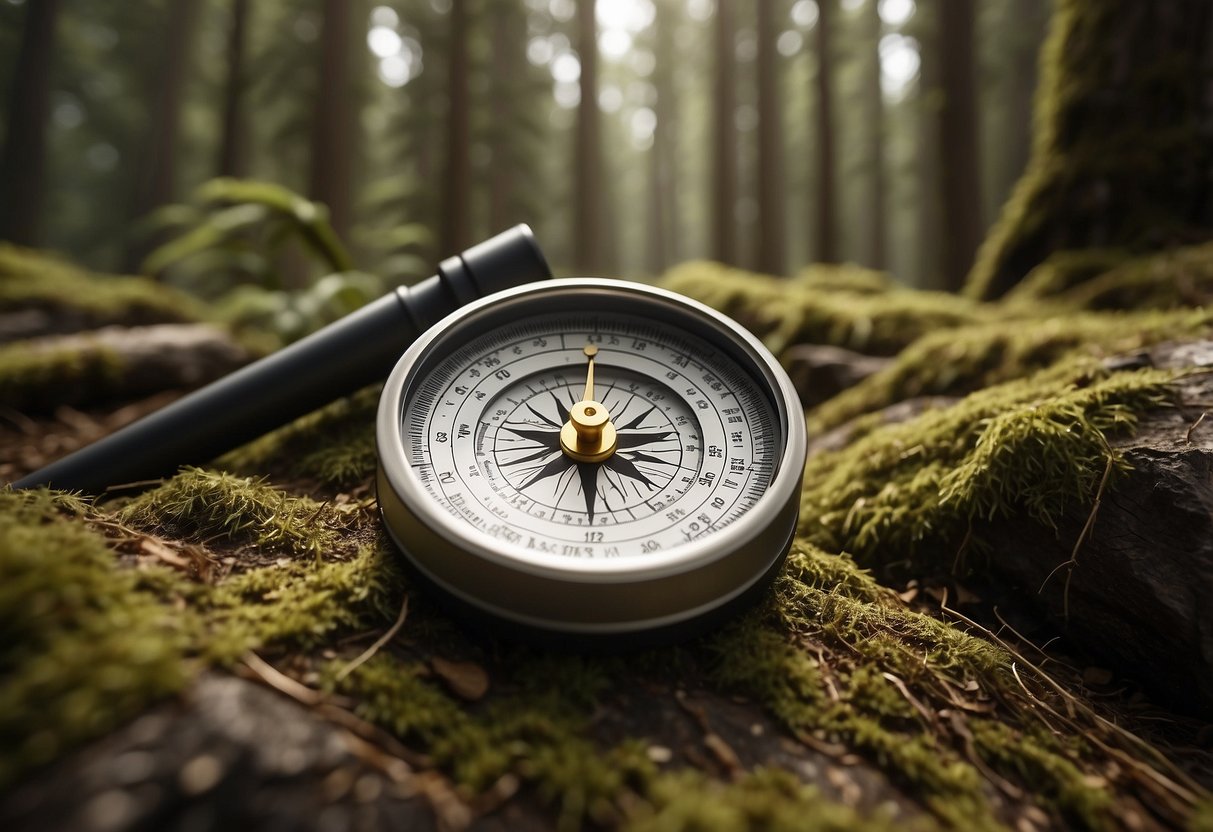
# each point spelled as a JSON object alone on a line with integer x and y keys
{"x": 23, "y": 155}
{"x": 332, "y": 129}
{"x": 723, "y": 243}
{"x": 590, "y": 195}
{"x": 825, "y": 232}
{"x": 457, "y": 183}
{"x": 960, "y": 167}
{"x": 771, "y": 244}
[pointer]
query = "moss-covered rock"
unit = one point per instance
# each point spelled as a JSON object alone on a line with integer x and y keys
{"x": 815, "y": 307}
{"x": 73, "y": 298}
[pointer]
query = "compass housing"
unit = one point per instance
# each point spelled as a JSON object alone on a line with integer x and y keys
{"x": 674, "y": 590}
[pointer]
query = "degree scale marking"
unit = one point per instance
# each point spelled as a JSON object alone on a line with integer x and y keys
{"x": 696, "y": 365}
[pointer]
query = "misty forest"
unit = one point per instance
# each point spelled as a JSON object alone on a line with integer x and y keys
{"x": 977, "y": 236}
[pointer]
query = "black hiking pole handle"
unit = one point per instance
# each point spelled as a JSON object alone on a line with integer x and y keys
{"x": 335, "y": 361}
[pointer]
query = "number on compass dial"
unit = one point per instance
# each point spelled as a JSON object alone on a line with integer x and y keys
{"x": 594, "y": 442}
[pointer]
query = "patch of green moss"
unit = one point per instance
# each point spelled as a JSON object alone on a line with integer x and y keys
{"x": 766, "y": 799}
{"x": 970, "y": 358}
{"x": 202, "y": 505}
{"x": 33, "y": 378}
{"x": 1064, "y": 270}
{"x": 807, "y": 310}
{"x": 39, "y": 280}
{"x": 298, "y": 603}
{"x": 335, "y": 444}
{"x": 1032, "y": 446}
{"x": 1036, "y": 758}
{"x": 844, "y": 661}
{"x": 83, "y": 646}
{"x": 1168, "y": 280}
{"x": 536, "y": 735}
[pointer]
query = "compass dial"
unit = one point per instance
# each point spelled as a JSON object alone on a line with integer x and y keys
{"x": 588, "y": 451}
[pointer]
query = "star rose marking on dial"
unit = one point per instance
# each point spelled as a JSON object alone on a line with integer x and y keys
{"x": 544, "y": 458}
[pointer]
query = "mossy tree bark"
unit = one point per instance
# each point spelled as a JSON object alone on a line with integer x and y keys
{"x": 1123, "y": 148}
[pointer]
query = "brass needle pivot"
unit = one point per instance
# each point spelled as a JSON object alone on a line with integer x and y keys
{"x": 588, "y": 435}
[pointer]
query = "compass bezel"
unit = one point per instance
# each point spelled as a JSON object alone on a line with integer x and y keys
{"x": 583, "y": 595}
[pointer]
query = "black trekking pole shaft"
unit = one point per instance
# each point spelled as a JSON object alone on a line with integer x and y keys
{"x": 344, "y": 356}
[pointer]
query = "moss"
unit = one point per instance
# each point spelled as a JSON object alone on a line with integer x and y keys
{"x": 971, "y": 358}
{"x": 844, "y": 661}
{"x": 1032, "y": 446}
{"x": 538, "y": 736}
{"x": 298, "y": 604}
{"x": 1035, "y": 758}
{"x": 766, "y": 799}
{"x": 33, "y": 378}
{"x": 1168, "y": 280}
{"x": 344, "y": 458}
{"x": 784, "y": 312}
{"x": 1103, "y": 168}
{"x": 1062, "y": 271}
{"x": 37, "y": 280}
{"x": 83, "y": 646}
{"x": 203, "y": 505}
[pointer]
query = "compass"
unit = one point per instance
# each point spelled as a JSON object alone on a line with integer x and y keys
{"x": 591, "y": 457}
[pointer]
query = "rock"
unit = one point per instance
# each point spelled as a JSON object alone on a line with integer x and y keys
{"x": 1139, "y": 590}
{"x": 822, "y": 371}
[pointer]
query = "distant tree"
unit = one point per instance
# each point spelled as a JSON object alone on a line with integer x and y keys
{"x": 770, "y": 256}
{"x": 233, "y": 155}
{"x": 724, "y": 134}
{"x": 662, "y": 227}
{"x": 332, "y": 147}
{"x": 958, "y": 149}
{"x": 23, "y": 155}
{"x": 156, "y": 176}
{"x": 825, "y": 235}
{"x": 878, "y": 195}
{"x": 589, "y": 193}
{"x": 928, "y": 96}
{"x": 457, "y": 181}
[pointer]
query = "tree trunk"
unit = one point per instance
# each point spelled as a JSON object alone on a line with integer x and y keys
{"x": 1123, "y": 142}
{"x": 332, "y": 147}
{"x": 662, "y": 247}
{"x": 508, "y": 61}
{"x": 928, "y": 220}
{"x": 771, "y": 208}
{"x": 233, "y": 151}
{"x": 23, "y": 156}
{"x": 878, "y": 197}
{"x": 960, "y": 168}
{"x": 825, "y": 235}
{"x": 589, "y": 196}
{"x": 156, "y": 179}
{"x": 724, "y": 169}
{"x": 457, "y": 184}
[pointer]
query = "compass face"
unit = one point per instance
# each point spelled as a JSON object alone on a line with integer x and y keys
{"x": 590, "y": 456}
{"x": 695, "y": 448}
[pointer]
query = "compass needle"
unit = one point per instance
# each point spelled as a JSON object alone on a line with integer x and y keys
{"x": 591, "y": 457}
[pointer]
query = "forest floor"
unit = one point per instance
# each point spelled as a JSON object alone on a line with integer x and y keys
{"x": 992, "y": 616}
